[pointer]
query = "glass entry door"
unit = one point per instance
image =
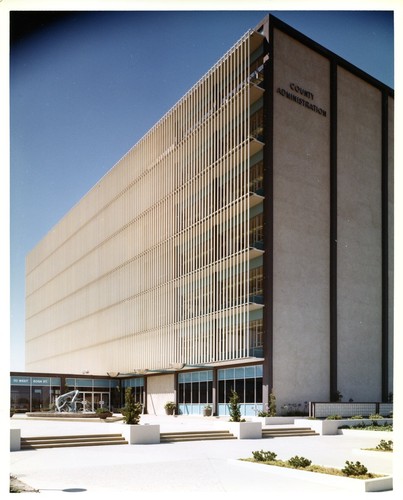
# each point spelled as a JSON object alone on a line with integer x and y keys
{"x": 101, "y": 400}
{"x": 94, "y": 400}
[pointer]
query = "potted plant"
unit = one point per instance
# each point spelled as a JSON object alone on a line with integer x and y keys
{"x": 132, "y": 431}
{"x": 238, "y": 425}
{"x": 132, "y": 409}
{"x": 234, "y": 408}
{"x": 103, "y": 413}
{"x": 207, "y": 410}
{"x": 169, "y": 407}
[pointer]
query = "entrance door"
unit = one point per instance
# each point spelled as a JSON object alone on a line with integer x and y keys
{"x": 94, "y": 400}
{"x": 87, "y": 401}
{"x": 101, "y": 400}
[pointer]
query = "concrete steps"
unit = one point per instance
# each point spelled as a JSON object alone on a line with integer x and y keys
{"x": 36, "y": 443}
{"x": 168, "y": 437}
{"x": 288, "y": 432}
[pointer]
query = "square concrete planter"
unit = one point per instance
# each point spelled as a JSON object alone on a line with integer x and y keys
{"x": 15, "y": 439}
{"x": 245, "y": 430}
{"x": 141, "y": 434}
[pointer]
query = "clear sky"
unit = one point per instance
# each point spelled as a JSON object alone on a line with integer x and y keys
{"x": 86, "y": 87}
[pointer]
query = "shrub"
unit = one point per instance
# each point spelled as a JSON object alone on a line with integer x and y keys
{"x": 385, "y": 445}
{"x": 356, "y": 417}
{"x": 375, "y": 416}
{"x": 235, "y": 408}
{"x": 272, "y": 405}
{"x": 264, "y": 456}
{"x": 263, "y": 414}
{"x": 103, "y": 412}
{"x": 334, "y": 417}
{"x": 299, "y": 462}
{"x": 354, "y": 469}
{"x": 132, "y": 409}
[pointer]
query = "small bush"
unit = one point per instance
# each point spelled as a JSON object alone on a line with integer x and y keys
{"x": 299, "y": 462}
{"x": 356, "y": 417}
{"x": 132, "y": 410}
{"x": 354, "y": 469}
{"x": 375, "y": 416}
{"x": 235, "y": 408}
{"x": 264, "y": 456}
{"x": 263, "y": 414}
{"x": 385, "y": 445}
{"x": 334, "y": 417}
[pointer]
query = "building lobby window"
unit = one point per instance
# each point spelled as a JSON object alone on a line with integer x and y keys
{"x": 246, "y": 382}
{"x": 195, "y": 389}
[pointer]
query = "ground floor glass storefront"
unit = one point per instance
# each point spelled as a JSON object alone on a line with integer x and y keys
{"x": 247, "y": 382}
{"x": 39, "y": 393}
{"x": 137, "y": 386}
{"x": 195, "y": 390}
{"x": 33, "y": 393}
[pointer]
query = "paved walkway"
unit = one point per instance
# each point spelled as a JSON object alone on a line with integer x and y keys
{"x": 197, "y": 468}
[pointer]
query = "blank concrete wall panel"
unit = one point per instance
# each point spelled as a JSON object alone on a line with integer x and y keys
{"x": 300, "y": 221}
{"x": 359, "y": 241}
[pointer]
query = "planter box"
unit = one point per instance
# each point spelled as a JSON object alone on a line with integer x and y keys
{"x": 245, "y": 430}
{"x": 141, "y": 434}
{"x": 326, "y": 427}
{"x": 275, "y": 420}
{"x": 359, "y": 485}
{"x": 15, "y": 439}
{"x": 363, "y": 433}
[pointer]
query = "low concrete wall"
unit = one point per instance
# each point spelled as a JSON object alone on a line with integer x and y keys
{"x": 275, "y": 420}
{"x": 326, "y": 427}
{"x": 15, "y": 439}
{"x": 345, "y": 410}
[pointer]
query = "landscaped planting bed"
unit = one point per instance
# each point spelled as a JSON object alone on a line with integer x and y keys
{"x": 353, "y": 476}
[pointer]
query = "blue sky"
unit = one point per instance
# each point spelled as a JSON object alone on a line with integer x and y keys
{"x": 84, "y": 90}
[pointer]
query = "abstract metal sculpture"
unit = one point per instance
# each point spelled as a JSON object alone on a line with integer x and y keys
{"x": 68, "y": 402}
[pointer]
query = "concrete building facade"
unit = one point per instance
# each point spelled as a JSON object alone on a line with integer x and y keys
{"x": 245, "y": 242}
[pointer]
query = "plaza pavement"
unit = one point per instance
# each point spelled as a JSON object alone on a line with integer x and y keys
{"x": 197, "y": 468}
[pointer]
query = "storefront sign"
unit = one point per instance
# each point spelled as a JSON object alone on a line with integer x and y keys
{"x": 20, "y": 380}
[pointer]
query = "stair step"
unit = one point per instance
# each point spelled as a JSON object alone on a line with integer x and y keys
{"x": 195, "y": 436}
{"x": 39, "y": 442}
{"x": 76, "y": 436}
{"x": 72, "y": 445}
{"x": 289, "y": 431}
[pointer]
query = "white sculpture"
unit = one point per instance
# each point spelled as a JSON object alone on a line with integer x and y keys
{"x": 67, "y": 402}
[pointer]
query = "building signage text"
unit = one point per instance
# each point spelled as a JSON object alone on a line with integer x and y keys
{"x": 293, "y": 96}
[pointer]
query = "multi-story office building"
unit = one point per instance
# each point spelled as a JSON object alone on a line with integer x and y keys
{"x": 244, "y": 242}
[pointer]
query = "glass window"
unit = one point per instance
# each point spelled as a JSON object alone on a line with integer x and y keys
{"x": 246, "y": 381}
{"x": 195, "y": 387}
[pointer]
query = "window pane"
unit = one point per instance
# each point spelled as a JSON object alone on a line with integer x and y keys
{"x": 239, "y": 388}
{"x": 195, "y": 392}
{"x": 209, "y": 392}
{"x": 250, "y": 390}
{"x": 229, "y": 385}
{"x": 181, "y": 393}
{"x": 188, "y": 393}
{"x": 203, "y": 392}
{"x": 259, "y": 389}
{"x": 221, "y": 394}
